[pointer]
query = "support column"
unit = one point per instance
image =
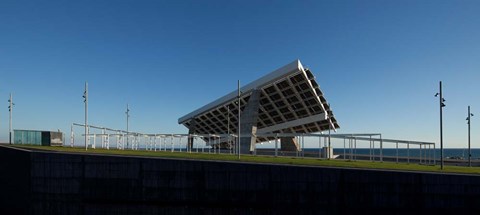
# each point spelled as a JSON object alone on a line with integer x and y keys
{"x": 191, "y": 131}
{"x": 248, "y": 123}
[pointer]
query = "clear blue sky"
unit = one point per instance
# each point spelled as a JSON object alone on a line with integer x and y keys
{"x": 378, "y": 62}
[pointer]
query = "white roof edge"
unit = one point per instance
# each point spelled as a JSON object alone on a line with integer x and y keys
{"x": 279, "y": 73}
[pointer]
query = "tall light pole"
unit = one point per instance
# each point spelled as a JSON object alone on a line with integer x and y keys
{"x": 85, "y": 100}
{"x": 10, "y": 110}
{"x": 128, "y": 116}
{"x": 441, "y": 104}
{"x": 329, "y": 135}
{"x": 239, "y": 109}
{"x": 469, "y": 149}
{"x": 228, "y": 125}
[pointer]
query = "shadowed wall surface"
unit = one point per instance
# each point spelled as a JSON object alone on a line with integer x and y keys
{"x": 60, "y": 183}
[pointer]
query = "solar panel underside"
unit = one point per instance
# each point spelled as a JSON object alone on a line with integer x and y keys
{"x": 294, "y": 96}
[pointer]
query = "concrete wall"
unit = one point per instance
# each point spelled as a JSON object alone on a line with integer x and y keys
{"x": 89, "y": 184}
{"x": 15, "y": 181}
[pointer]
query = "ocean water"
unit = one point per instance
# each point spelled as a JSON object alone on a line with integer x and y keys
{"x": 457, "y": 153}
{"x": 415, "y": 152}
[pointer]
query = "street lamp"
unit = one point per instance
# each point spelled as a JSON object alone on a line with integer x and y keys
{"x": 329, "y": 135}
{"x": 239, "y": 109}
{"x": 228, "y": 128}
{"x": 85, "y": 100}
{"x": 128, "y": 116}
{"x": 10, "y": 110}
{"x": 469, "y": 149}
{"x": 442, "y": 105}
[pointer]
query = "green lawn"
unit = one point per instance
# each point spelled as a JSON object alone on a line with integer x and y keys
{"x": 270, "y": 159}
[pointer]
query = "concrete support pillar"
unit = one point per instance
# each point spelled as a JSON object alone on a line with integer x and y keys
{"x": 191, "y": 130}
{"x": 248, "y": 123}
{"x": 327, "y": 152}
{"x": 289, "y": 144}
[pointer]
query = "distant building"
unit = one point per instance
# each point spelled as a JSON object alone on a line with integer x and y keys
{"x": 287, "y": 100}
{"x": 41, "y": 138}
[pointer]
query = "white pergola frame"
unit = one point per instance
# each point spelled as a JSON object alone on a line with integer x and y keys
{"x": 153, "y": 142}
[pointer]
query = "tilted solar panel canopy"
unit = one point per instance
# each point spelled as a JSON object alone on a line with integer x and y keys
{"x": 287, "y": 100}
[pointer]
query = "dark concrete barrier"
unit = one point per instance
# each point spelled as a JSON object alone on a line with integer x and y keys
{"x": 56, "y": 183}
{"x": 15, "y": 181}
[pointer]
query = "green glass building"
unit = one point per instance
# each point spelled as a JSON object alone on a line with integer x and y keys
{"x": 41, "y": 138}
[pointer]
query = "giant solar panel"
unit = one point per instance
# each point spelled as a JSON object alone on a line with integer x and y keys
{"x": 290, "y": 102}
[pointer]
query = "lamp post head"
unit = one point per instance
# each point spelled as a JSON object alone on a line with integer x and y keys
{"x": 10, "y": 106}
{"x": 469, "y": 118}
